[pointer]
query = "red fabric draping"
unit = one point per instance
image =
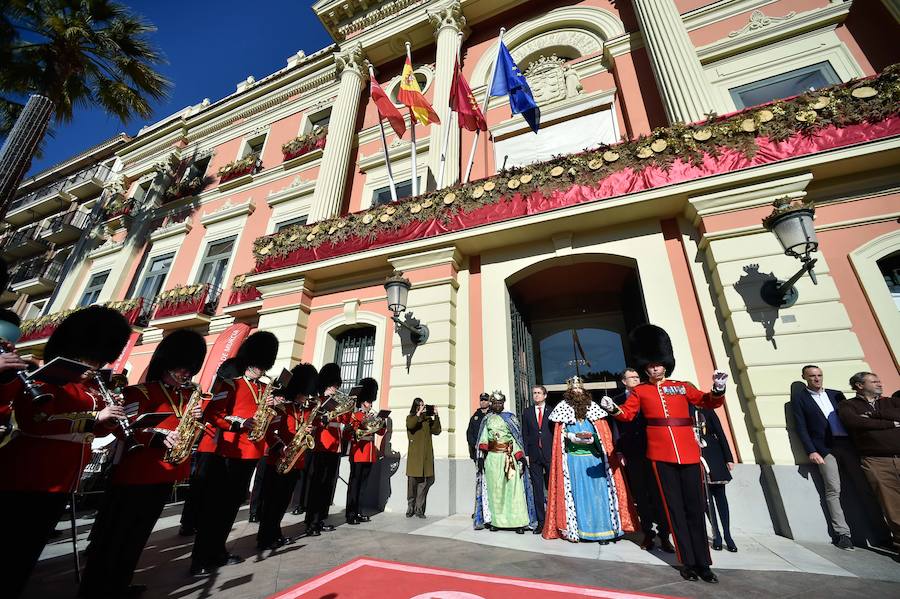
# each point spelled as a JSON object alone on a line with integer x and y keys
{"x": 318, "y": 144}
{"x": 617, "y": 184}
{"x": 226, "y": 346}
{"x": 119, "y": 364}
{"x": 247, "y": 294}
{"x": 189, "y": 306}
{"x": 40, "y": 333}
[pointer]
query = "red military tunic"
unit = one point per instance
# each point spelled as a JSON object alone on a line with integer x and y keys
{"x": 328, "y": 436}
{"x": 282, "y": 432}
{"x": 54, "y": 442}
{"x": 362, "y": 450}
{"x": 670, "y": 432}
{"x": 210, "y": 437}
{"x": 146, "y": 466}
{"x": 232, "y": 405}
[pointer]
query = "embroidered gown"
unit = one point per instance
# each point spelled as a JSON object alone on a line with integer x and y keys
{"x": 589, "y": 483}
{"x": 503, "y": 486}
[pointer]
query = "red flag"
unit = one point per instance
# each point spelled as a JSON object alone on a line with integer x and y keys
{"x": 463, "y": 103}
{"x": 386, "y": 108}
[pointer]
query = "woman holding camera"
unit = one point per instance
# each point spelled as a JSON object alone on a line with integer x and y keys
{"x": 421, "y": 424}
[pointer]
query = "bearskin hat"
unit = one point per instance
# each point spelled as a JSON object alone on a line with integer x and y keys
{"x": 650, "y": 344}
{"x": 303, "y": 381}
{"x": 329, "y": 376}
{"x": 368, "y": 392}
{"x": 180, "y": 349}
{"x": 231, "y": 368}
{"x": 96, "y": 334}
{"x": 259, "y": 350}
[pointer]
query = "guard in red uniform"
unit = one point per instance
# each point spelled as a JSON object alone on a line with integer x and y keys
{"x": 326, "y": 456}
{"x": 41, "y": 466}
{"x": 363, "y": 453}
{"x": 142, "y": 480}
{"x": 231, "y": 412}
{"x": 672, "y": 448}
{"x": 277, "y": 488}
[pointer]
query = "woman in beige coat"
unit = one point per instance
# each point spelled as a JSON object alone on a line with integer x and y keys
{"x": 420, "y": 426}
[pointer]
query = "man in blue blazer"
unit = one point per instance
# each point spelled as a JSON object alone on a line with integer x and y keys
{"x": 826, "y": 442}
{"x": 537, "y": 434}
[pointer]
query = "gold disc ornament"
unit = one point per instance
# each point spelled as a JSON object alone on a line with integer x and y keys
{"x": 864, "y": 92}
{"x": 368, "y": 218}
{"x": 526, "y": 178}
{"x": 478, "y": 193}
{"x": 512, "y": 183}
{"x": 384, "y": 217}
{"x": 659, "y": 145}
{"x": 820, "y": 103}
{"x": 415, "y": 208}
{"x": 644, "y": 152}
{"x": 610, "y": 156}
{"x": 490, "y": 186}
{"x": 427, "y": 203}
{"x": 449, "y": 198}
{"x": 556, "y": 171}
{"x": 748, "y": 125}
{"x": 595, "y": 164}
{"x": 765, "y": 116}
{"x": 702, "y": 134}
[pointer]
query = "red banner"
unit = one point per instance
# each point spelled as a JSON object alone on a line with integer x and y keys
{"x": 225, "y": 347}
{"x": 119, "y": 364}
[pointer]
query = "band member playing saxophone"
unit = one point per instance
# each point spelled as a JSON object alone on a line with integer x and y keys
{"x": 280, "y": 477}
{"x": 142, "y": 480}
{"x": 363, "y": 452}
{"x": 232, "y": 411}
{"x": 41, "y": 466}
{"x": 327, "y": 456}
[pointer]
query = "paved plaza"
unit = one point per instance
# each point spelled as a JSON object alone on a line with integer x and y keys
{"x": 765, "y": 566}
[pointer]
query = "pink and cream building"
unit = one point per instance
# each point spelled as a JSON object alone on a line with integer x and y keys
{"x": 284, "y": 181}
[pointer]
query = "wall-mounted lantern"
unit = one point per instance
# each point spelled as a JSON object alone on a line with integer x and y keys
{"x": 792, "y": 223}
{"x": 397, "y": 287}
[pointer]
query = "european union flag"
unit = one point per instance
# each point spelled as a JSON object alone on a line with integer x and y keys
{"x": 509, "y": 81}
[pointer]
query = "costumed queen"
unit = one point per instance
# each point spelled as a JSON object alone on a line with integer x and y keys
{"x": 587, "y": 499}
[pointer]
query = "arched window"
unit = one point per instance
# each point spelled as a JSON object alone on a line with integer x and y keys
{"x": 355, "y": 354}
{"x": 890, "y": 270}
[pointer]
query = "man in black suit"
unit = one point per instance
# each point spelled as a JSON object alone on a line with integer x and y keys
{"x": 828, "y": 445}
{"x": 538, "y": 437}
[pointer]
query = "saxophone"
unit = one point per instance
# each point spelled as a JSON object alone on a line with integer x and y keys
{"x": 345, "y": 405}
{"x": 189, "y": 429}
{"x": 299, "y": 444}
{"x": 370, "y": 425}
{"x": 264, "y": 415}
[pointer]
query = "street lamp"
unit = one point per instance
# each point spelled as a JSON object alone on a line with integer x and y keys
{"x": 397, "y": 287}
{"x": 792, "y": 223}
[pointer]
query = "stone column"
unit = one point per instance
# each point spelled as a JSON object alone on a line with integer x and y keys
{"x": 286, "y": 320}
{"x": 685, "y": 91}
{"x": 448, "y": 22}
{"x": 332, "y": 180}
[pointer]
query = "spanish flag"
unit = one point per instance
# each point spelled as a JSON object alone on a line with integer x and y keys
{"x": 411, "y": 95}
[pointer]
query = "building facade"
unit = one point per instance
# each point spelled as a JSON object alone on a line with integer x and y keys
{"x": 271, "y": 207}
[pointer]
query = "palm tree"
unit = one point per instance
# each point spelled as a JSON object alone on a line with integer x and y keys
{"x": 73, "y": 53}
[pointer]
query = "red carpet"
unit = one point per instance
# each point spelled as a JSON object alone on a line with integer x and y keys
{"x": 365, "y": 578}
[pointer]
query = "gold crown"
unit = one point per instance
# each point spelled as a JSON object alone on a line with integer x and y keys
{"x": 498, "y": 396}
{"x": 575, "y": 382}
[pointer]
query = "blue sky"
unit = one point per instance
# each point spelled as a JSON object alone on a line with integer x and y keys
{"x": 210, "y": 46}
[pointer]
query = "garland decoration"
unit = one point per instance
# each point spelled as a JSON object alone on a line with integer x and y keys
{"x": 242, "y": 291}
{"x": 238, "y": 168}
{"x": 864, "y": 101}
{"x": 181, "y": 294}
{"x": 303, "y": 144}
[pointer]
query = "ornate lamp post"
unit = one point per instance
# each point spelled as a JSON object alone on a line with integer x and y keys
{"x": 397, "y": 287}
{"x": 792, "y": 223}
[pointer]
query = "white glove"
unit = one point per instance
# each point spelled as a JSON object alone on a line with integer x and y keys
{"x": 609, "y": 405}
{"x": 719, "y": 380}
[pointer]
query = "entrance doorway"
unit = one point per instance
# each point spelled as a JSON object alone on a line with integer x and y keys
{"x": 573, "y": 319}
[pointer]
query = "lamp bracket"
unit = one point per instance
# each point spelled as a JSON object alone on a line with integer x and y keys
{"x": 783, "y": 294}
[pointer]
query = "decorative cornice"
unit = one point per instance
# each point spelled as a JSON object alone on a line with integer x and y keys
{"x": 107, "y": 248}
{"x": 759, "y": 20}
{"x": 450, "y": 15}
{"x": 228, "y": 211}
{"x": 171, "y": 230}
{"x": 297, "y": 188}
{"x": 381, "y": 13}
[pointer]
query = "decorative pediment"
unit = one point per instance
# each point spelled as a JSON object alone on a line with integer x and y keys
{"x": 758, "y": 20}
{"x": 227, "y": 211}
{"x": 172, "y": 229}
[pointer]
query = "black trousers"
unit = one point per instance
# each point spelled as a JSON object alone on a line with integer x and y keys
{"x": 123, "y": 526}
{"x": 645, "y": 492}
{"x": 28, "y": 519}
{"x": 300, "y": 498}
{"x": 196, "y": 490}
{"x": 225, "y": 490}
{"x": 359, "y": 475}
{"x": 540, "y": 480}
{"x": 276, "y": 495}
{"x": 684, "y": 502}
{"x": 256, "y": 493}
{"x": 322, "y": 479}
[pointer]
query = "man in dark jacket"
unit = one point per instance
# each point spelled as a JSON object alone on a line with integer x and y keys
{"x": 538, "y": 437}
{"x": 826, "y": 443}
{"x": 874, "y": 426}
{"x": 484, "y": 401}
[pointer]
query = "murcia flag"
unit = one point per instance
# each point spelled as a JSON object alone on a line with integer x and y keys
{"x": 386, "y": 108}
{"x": 411, "y": 95}
{"x": 463, "y": 103}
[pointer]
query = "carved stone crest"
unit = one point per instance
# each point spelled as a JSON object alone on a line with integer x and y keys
{"x": 551, "y": 79}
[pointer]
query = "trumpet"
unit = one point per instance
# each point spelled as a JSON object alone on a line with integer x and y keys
{"x": 345, "y": 405}
{"x": 117, "y": 381}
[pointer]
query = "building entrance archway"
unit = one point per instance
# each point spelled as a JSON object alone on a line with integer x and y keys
{"x": 573, "y": 318}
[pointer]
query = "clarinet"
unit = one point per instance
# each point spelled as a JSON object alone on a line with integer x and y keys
{"x": 36, "y": 393}
{"x": 131, "y": 444}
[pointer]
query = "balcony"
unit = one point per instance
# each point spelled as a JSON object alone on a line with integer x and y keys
{"x": 39, "y": 203}
{"x": 238, "y": 172}
{"x": 36, "y": 276}
{"x": 64, "y": 228}
{"x": 23, "y": 242}
{"x": 87, "y": 183}
{"x": 185, "y": 306}
{"x": 244, "y": 301}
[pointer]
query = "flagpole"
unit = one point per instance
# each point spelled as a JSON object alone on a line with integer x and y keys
{"x": 412, "y": 134}
{"x": 487, "y": 97}
{"x": 387, "y": 160}
{"x": 440, "y": 179}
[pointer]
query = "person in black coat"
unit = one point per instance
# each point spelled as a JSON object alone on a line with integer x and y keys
{"x": 484, "y": 401}
{"x": 538, "y": 437}
{"x": 718, "y": 462}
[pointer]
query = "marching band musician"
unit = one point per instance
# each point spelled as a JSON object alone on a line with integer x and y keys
{"x": 363, "y": 452}
{"x": 142, "y": 480}
{"x": 231, "y": 411}
{"x": 327, "y": 456}
{"x": 41, "y": 467}
{"x": 277, "y": 488}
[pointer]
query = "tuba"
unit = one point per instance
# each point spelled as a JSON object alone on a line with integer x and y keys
{"x": 370, "y": 425}
{"x": 345, "y": 405}
{"x": 189, "y": 428}
{"x": 299, "y": 444}
{"x": 264, "y": 415}
{"x": 111, "y": 394}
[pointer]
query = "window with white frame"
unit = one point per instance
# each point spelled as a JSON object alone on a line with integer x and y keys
{"x": 319, "y": 120}
{"x": 300, "y": 220}
{"x": 141, "y": 191}
{"x": 197, "y": 169}
{"x": 785, "y": 85}
{"x": 890, "y": 270}
{"x": 355, "y": 354}
{"x": 382, "y": 195}
{"x": 34, "y": 309}
{"x": 155, "y": 276}
{"x": 215, "y": 263}
{"x": 254, "y": 145}
{"x": 93, "y": 288}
